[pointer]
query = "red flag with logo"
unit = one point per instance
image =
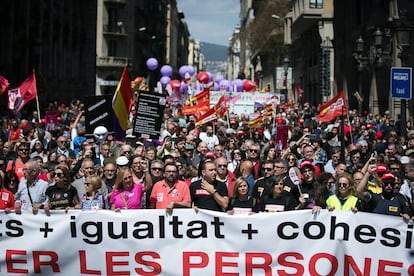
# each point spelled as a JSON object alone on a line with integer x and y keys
{"x": 4, "y": 84}
{"x": 200, "y": 102}
{"x": 20, "y": 96}
{"x": 332, "y": 108}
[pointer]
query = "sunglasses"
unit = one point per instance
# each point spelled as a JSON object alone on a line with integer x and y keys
{"x": 127, "y": 177}
{"x": 222, "y": 166}
{"x": 236, "y": 152}
{"x": 156, "y": 169}
{"x": 268, "y": 169}
{"x": 291, "y": 159}
{"x": 25, "y": 149}
{"x": 253, "y": 150}
{"x": 390, "y": 183}
{"x": 343, "y": 184}
{"x": 53, "y": 175}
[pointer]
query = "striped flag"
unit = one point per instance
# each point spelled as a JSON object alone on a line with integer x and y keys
{"x": 255, "y": 120}
{"x": 121, "y": 104}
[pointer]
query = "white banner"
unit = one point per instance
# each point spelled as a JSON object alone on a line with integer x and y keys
{"x": 150, "y": 242}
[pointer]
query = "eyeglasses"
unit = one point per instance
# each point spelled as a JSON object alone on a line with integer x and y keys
{"x": 58, "y": 174}
{"x": 237, "y": 152}
{"x": 253, "y": 150}
{"x": 156, "y": 169}
{"x": 267, "y": 169}
{"x": 110, "y": 171}
{"x": 291, "y": 159}
{"x": 24, "y": 149}
{"x": 392, "y": 183}
{"x": 127, "y": 177}
{"x": 341, "y": 184}
{"x": 222, "y": 165}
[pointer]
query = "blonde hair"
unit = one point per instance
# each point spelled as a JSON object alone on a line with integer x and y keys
{"x": 95, "y": 180}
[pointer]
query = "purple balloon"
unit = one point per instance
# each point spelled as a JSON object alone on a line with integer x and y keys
{"x": 152, "y": 64}
{"x": 219, "y": 78}
{"x": 183, "y": 87}
{"x": 166, "y": 70}
{"x": 183, "y": 70}
{"x": 210, "y": 76}
{"x": 239, "y": 85}
{"x": 191, "y": 70}
{"x": 164, "y": 81}
{"x": 224, "y": 85}
{"x": 216, "y": 86}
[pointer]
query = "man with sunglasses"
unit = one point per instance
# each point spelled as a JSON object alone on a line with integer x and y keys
{"x": 253, "y": 155}
{"x": 17, "y": 165}
{"x": 224, "y": 175}
{"x": 387, "y": 202}
{"x": 262, "y": 186}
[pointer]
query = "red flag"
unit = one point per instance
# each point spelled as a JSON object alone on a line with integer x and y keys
{"x": 200, "y": 102}
{"x": 209, "y": 116}
{"x": 299, "y": 91}
{"x": 4, "y": 84}
{"x": 221, "y": 107}
{"x": 20, "y": 96}
{"x": 332, "y": 108}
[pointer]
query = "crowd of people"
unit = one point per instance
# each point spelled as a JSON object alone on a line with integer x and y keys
{"x": 360, "y": 164}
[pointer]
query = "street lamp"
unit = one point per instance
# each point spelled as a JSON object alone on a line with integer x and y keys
{"x": 403, "y": 33}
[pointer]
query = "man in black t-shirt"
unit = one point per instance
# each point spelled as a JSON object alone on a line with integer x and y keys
{"x": 208, "y": 193}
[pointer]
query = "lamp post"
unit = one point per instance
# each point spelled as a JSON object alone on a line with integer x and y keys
{"x": 403, "y": 34}
{"x": 286, "y": 63}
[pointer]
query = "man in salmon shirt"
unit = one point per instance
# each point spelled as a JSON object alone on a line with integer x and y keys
{"x": 170, "y": 192}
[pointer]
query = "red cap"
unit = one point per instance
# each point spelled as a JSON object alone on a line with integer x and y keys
{"x": 307, "y": 163}
{"x": 233, "y": 122}
{"x": 240, "y": 132}
{"x": 209, "y": 154}
{"x": 369, "y": 126}
{"x": 381, "y": 169}
{"x": 387, "y": 176}
{"x": 378, "y": 134}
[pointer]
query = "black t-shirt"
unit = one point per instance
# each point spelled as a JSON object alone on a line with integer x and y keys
{"x": 262, "y": 187}
{"x": 204, "y": 200}
{"x": 250, "y": 203}
{"x": 284, "y": 203}
{"x": 60, "y": 198}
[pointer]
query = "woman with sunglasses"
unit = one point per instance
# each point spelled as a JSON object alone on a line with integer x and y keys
{"x": 126, "y": 193}
{"x": 235, "y": 159}
{"x": 343, "y": 199}
{"x": 62, "y": 195}
{"x": 93, "y": 199}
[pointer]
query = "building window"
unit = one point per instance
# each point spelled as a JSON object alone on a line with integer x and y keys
{"x": 316, "y": 4}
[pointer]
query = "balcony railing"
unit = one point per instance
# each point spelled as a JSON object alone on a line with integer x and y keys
{"x": 114, "y": 30}
{"x": 112, "y": 61}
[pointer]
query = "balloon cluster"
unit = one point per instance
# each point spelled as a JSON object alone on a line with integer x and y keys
{"x": 205, "y": 79}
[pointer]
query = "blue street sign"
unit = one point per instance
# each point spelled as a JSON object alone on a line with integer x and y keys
{"x": 401, "y": 83}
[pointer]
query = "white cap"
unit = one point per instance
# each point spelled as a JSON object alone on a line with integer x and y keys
{"x": 405, "y": 160}
{"x": 122, "y": 161}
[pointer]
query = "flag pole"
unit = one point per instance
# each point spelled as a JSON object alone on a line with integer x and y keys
{"x": 342, "y": 136}
{"x": 38, "y": 108}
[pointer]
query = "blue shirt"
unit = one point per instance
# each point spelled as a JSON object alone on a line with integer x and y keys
{"x": 37, "y": 192}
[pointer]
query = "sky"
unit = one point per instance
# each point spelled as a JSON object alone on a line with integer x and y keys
{"x": 211, "y": 21}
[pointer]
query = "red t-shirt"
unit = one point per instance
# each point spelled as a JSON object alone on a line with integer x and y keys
{"x": 6, "y": 199}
